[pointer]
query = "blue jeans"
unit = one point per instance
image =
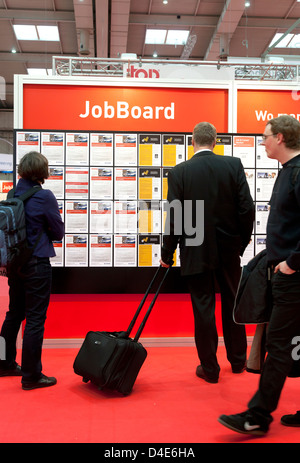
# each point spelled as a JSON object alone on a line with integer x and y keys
{"x": 29, "y": 295}
{"x": 284, "y": 325}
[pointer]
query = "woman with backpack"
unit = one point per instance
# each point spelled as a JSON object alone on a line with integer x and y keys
{"x": 30, "y": 285}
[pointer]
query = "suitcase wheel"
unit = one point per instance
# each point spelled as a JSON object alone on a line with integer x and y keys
{"x": 85, "y": 380}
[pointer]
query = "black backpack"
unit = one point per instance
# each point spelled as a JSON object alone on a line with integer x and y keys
{"x": 14, "y": 249}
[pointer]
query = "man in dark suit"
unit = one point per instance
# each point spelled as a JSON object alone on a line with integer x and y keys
{"x": 210, "y": 214}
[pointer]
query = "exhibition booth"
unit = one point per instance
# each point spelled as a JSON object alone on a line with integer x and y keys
{"x": 110, "y": 143}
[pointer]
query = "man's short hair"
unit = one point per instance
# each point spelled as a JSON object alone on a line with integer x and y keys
{"x": 34, "y": 166}
{"x": 289, "y": 127}
{"x": 204, "y": 134}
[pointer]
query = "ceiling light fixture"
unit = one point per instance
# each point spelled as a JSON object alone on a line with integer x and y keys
{"x": 166, "y": 37}
{"x": 129, "y": 56}
{"x": 177, "y": 37}
{"x": 165, "y": 2}
{"x": 25, "y": 32}
{"x": 156, "y": 36}
{"x": 48, "y": 33}
{"x": 30, "y": 32}
{"x": 287, "y": 41}
{"x": 155, "y": 54}
{"x": 247, "y": 4}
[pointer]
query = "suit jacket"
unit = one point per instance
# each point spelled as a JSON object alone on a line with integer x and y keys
{"x": 219, "y": 182}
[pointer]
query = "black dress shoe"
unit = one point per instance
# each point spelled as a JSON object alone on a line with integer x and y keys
{"x": 201, "y": 374}
{"x": 238, "y": 369}
{"x": 44, "y": 381}
{"x": 291, "y": 420}
{"x": 16, "y": 371}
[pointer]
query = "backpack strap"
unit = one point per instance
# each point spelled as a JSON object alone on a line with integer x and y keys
{"x": 11, "y": 193}
{"x": 31, "y": 191}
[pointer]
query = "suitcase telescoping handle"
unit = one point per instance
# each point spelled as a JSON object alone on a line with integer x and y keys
{"x": 143, "y": 323}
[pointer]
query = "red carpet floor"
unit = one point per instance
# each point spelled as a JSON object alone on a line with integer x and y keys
{"x": 169, "y": 404}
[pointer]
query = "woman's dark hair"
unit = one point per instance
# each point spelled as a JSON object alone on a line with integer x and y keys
{"x": 34, "y": 166}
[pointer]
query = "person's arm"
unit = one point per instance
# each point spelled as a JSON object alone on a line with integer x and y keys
{"x": 170, "y": 239}
{"x": 55, "y": 227}
{"x": 163, "y": 264}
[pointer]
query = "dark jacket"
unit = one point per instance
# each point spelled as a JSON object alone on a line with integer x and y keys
{"x": 283, "y": 229}
{"x": 253, "y": 303}
{"x": 220, "y": 182}
{"x": 41, "y": 213}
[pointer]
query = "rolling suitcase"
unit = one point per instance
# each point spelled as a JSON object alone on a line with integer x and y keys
{"x": 112, "y": 360}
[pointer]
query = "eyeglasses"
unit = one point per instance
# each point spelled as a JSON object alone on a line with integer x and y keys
{"x": 264, "y": 137}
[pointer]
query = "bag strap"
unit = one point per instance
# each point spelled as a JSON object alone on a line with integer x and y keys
{"x": 31, "y": 191}
{"x": 11, "y": 193}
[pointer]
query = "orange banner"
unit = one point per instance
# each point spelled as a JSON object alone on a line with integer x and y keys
{"x": 6, "y": 186}
{"x": 78, "y": 107}
{"x": 256, "y": 107}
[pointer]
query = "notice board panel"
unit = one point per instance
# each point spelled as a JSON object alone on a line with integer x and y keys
{"x": 113, "y": 205}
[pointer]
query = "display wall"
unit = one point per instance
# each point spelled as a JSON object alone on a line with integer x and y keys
{"x": 110, "y": 145}
{"x": 106, "y": 106}
{"x": 111, "y": 190}
{"x": 91, "y": 297}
